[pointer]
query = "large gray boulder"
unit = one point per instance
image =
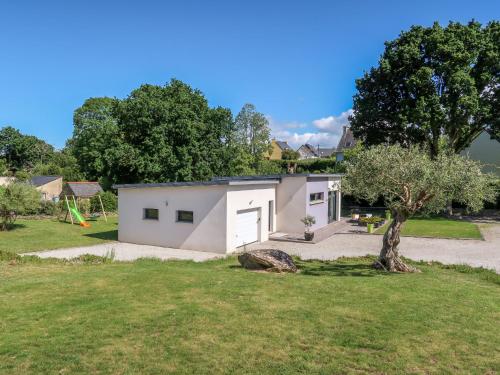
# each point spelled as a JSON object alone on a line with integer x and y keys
{"x": 267, "y": 260}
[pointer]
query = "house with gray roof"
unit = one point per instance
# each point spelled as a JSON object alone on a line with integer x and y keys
{"x": 50, "y": 187}
{"x": 347, "y": 141}
{"x": 308, "y": 151}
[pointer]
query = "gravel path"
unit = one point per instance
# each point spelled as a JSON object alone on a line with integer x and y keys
{"x": 128, "y": 252}
{"x": 475, "y": 253}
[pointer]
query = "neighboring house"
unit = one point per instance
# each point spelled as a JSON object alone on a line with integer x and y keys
{"x": 325, "y": 152}
{"x": 81, "y": 189}
{"x": 308, "y": 151}
{"x": 50, "y": 187}
{"x": 277, "y": 150}
{"x": 225, "y": 213}
{"x": 4, "y": 181}
{"x": 346, "y": 142}
{"x": 487, "y": 151}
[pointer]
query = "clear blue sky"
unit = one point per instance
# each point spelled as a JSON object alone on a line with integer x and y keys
{"x": 296, "y": 61}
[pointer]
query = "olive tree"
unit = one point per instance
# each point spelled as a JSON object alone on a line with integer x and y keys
{"x": 16, "y": 199}
{"x": 410, "y": 181}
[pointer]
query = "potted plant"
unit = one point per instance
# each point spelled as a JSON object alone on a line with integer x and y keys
{"x": 308, "y": 221}
{"x": 375, "y": 221}
{"x": 388, "y": 215}
{"x": 370, "y": 227}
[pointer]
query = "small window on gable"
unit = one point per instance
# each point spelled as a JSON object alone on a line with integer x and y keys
{"x": 151, "y": 214}
{"x": 316, "y": 197}
{"x": 185, "y": 216}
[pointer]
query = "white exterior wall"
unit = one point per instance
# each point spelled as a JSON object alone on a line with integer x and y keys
{"x": 206, "y": 233}
{"x": 4, "y": 181}
{"x": 317, "y": 210}
{"x": 291, "y": 204}
{"x": 249, "y": 197}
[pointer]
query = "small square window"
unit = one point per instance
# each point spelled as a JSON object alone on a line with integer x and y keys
{"x": 316, "y": 197}
{"x": 185, "y": 216}
{"x": 151, "y": 214}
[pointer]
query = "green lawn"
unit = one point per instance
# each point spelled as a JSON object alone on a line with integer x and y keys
{"x": 178, "y": 317}
{"x": 33, "y": 235}
{"x": 438, "y": 227}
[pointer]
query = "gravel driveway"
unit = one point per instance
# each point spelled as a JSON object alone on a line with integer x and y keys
{"x": 475, "y": 253}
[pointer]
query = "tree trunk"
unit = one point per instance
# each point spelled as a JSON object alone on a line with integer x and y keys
{"x": 389, "y": 258}
{"x": 449, "y": 208}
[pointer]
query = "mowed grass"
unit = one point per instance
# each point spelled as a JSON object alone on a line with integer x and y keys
{"x": 155, "y": 317}
{"x": 34, "y": 235}
{"x": 438, "y": 227}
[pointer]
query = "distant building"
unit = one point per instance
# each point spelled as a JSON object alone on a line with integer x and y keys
{"x": 308, "y": 151}
{"x": 346, "y": 142}
{"x": 49, "y": 186}
{"x": 277, "y": 150}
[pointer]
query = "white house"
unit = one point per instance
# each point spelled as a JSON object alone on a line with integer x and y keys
{"x": 225, "y": 213}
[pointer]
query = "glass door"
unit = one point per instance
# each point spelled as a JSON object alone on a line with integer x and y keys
{"x": 332, "y": 206}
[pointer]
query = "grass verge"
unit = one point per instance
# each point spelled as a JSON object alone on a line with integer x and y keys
{"x": 45, "y": 234}
{"x": 214, "y": 317}
{"x": 437, "y": 227}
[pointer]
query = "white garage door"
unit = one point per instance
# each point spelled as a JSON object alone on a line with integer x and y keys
{"x": 247, "y": 227}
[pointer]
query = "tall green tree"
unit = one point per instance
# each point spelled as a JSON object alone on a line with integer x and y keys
{"x": 156, "y": 134}
{"x": 253, "y": 132}
{"x": 432, "y": 83}
{"x": 23, "y": 151}
{"x": 410, "y": 181}
{"x": 95, "y": 132}
{"x": 62, "y": 163}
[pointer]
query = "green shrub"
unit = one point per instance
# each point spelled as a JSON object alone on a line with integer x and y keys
{"x": 16, "y": 199}
{"x": 371, "y": 220}
{"x": 109, "y": 201}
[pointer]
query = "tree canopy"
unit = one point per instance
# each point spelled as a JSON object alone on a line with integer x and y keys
{"x": 22, "y": 151}
{"x": 157, "y": 133}
{"x": 253, "y": 133}
{"x": 432, "y": 84}
{"x": 410, "y": 181}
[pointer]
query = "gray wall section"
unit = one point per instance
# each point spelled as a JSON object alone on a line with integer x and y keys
{"x": 318, "y": 210}
{"x": 487, "y": 151}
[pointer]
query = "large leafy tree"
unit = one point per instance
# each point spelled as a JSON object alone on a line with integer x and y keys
{"x": 170, "y": 134}
{"x": 253, "y": 132}
{"x": 95, "y": 132}
{"x": 410, "y": 182}
{"x": 434, "y": 86}
{"x": 23, "y": 151}
{"x": 156, "y": 134}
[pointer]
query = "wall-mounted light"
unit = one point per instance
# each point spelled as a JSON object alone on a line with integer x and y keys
{"x": 166, "y": 203}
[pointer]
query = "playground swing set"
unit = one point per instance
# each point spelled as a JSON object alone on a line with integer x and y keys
{"x": 76, "y": 216}
{"x": 73, "y": 192}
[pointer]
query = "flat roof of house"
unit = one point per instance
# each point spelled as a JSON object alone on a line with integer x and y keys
{"x": 235, "y": 180}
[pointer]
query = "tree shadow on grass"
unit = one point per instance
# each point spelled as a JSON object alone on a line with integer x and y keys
{"x": 110, "y": 235}
{"x": 13, "y": 227}
{"x": 358, "y": 267}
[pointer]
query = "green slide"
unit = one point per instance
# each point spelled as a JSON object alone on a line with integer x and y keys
{"x": 79, "y": 217}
